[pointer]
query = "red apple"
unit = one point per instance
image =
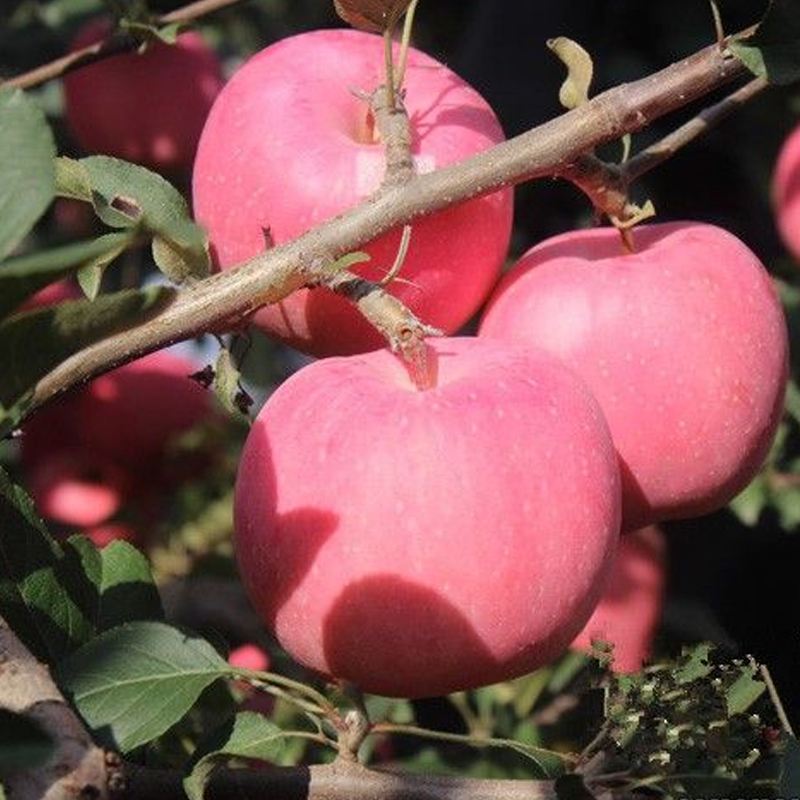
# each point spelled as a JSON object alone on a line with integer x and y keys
{"x": 50, "y": 295}
{"x": 288, "y": 145}
{"x": 106, "y": 446}
{"x": 73, "y": 487}
{"x": 147, "y": 108}
{"x": 422, "y": 542}
{"x": 786, "y": 193}
{"x": 683, "y": 342}
{"x": 103, "y": 535}
{"x": 129, "y": 415}
{"x": 630, "y": 608}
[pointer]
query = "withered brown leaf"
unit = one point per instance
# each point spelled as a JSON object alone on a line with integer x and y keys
{"x": 371, "y": 15}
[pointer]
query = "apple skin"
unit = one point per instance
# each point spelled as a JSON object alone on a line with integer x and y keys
{"x": 786, "y": 193}
{"x": 147, "y": 108}
{"x": 630, "y": 608}
{"x": 683, "y": 343}
{"x": 421, "y": 542}
{"x": 287, "y": 146}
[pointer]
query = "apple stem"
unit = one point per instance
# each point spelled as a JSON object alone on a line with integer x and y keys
{"x": 405, "y": 43}
{"x": 420, "y": 362}
{"x": 389, "y": 66}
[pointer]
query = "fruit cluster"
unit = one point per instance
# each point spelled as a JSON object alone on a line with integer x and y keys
{"x": 416, "y": 539}
{"x": 422, "y": 541}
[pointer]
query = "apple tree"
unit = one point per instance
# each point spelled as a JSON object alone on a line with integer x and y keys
{"x": 344, "y": 456}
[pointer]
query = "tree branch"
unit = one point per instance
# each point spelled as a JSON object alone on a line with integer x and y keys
{"x": 77, "y": 770}
{"x": 341, "y": 780}
{"x": 114, "y": 44}
{"x": 224, "y": 300}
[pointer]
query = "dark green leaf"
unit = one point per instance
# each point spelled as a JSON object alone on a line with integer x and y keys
{"x": 247, "y": 736}
{"x": 694, "y": 664}
{"x": 744, "y": 691}
{"x": 23, "y": 744}
{"x": 33, "y": 343}
{"x": 27, "y": 178}
{"x": 117, "y": 583}
{"x": 133, "y": 683}
{"x": 126, "y": 195}
{"x": 24, "y": 276}
{"x": 773, "y": 51}
{"x": 34, "y": 595}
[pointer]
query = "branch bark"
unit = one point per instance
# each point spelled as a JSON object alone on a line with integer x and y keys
{"x": 224, "y": 300}
{"x": 77, "y": 770}
{"x": 341, "y": 780}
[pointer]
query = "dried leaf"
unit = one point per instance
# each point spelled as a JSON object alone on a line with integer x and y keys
{"x": 371, "y": 15}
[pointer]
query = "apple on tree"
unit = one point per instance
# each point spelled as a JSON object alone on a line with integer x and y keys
{"x": 288, "y": 145}
{"x": 786, "y": 193}
{"x": 418, "y": 542}
{"x": 147, "y": 108}
{"x": 630, "y": 607}
{"x": 106, "y": 446}
{"x": 683, "y": 342}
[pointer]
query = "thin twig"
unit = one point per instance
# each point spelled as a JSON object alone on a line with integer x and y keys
{"x": 667, "y": 147}
{"x": 783, "y": 717}
{"x": 114, "y": 44}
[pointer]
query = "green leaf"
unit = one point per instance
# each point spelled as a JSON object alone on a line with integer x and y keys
{"x": 247, "y": 736}
{"x": 773, "y": 51}
{"x": 27, "y": 177}
{"x": 117, "y": 586}
{"x": 34, "y": 592}
{"x": 22, "y": 277}
{"x": 751, "y": 501}
{"x": 134, "y": 682}
{"x": 126, "y": 195}
{"x": 32, "y": 344}
{"x": 744, "y": 691}
{"x": 23, "y": 744}
{"x": 694, "y": 664}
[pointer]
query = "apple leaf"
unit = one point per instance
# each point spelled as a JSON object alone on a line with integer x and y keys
{"x": 34, "y": 584}
{"x": 125, "y": 195}
{"x": 33, "y": 343}
{"x": 24, "y": 276}
{"x": 744, "y": 690}
{"x": 227, "y": 384}
{"x": 247, "y": 736}
{"x": 371, "y": 15}
{"x": 773, "y": 51}
{"x": 117, "y": 585}
{"x": 23, "y": 744}
{"x": 27, "y": 178}
{"x": 134, "y": 682}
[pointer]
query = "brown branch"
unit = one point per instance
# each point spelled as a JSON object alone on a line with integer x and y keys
{"x": 224, "y": 300}
{"x": 114, "y": 44}
{"x": 342, "y": 780}
{"x": 77, "y": 769}
{"x": 707, "y": 119}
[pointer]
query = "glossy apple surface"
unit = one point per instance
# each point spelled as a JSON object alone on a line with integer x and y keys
{"x": 683, "y": 342}
{"x": 786, "y": 193}
{"x": 288, "y": 145}
{"x": 147, "y": 108}
{"x": 630, "y": 608}
{"x": 422, "y": 542}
